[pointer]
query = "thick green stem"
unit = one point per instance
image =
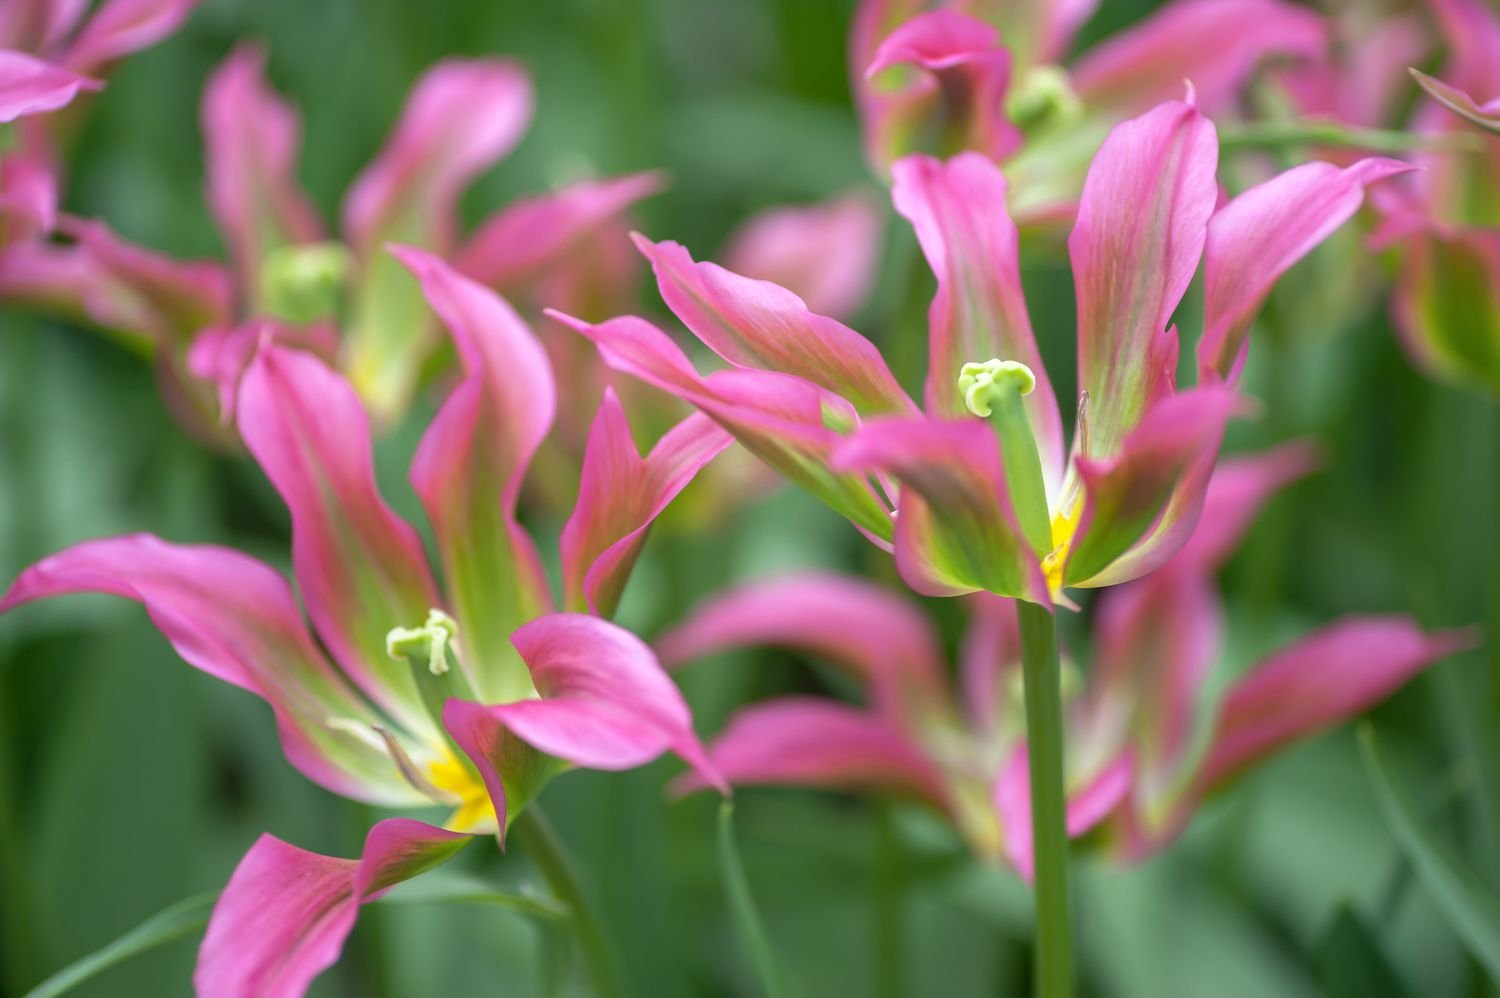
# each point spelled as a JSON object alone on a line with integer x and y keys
{"x": 1049, "y": 834}
{"x": 545, "y": 849}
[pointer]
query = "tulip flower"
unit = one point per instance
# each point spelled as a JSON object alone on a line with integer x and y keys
{"x": 1146, "y": 743}
{"x": 344, "y": 299}
{"x": 466, "y": 696}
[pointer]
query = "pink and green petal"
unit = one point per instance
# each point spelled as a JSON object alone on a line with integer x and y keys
{"x": 1486, "y": 116}
{"x": 1254, "y": 238}
{"x": 758, "y": 325}
{"x": 826, "y": 254}
{"x": 361, "y": 569}
{"x": 236, "y": 619}
{"x": 1142, "y": 222}
{"x": 285, "y": 913}
{"x": 461, "y": 117}
{"x": 956, "y": 531}
{"x": 120, "y": 27}
{"x": 620, "y": 494}
{"x": 1088, "y": 804}
{"x": 220, "y": 355}
{"x": 958, "y": 210}
{"x": 29, "y": 85}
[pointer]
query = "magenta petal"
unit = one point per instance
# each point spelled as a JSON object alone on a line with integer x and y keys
{"x": 620, "y": 494}
{"x": 1236, "y": 492}
{"x": 956, "y": 531}
{"x": 808, "y": 741}
{"x": 1255, "y": 237}
{"x": 1088, "y": 804}
{"x": 1319, "y": 682}
{"x": 39, "y": 25}
{"x": 361, "y": 568}
{"x": 29, "y": 85}
{"x": 864, "y": 628}
{"x": 120, "y": 27}
{"x": 28, "y": 198}
{"x": 236, "y": 619}
{"x": 1142, "y": 221}
{"x": 1215, "y": 44}
{"x": 826, "y": 253}
{"x": 285, "y": 913}
{"x": 251, "y": 138}
{"x": 958, "y": 209}
{"x": 221, "y": 354}
{"x": 757, "y": 325}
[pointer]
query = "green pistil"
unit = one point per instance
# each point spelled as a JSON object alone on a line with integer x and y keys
{"x": 426, "y": 649}
{"x": 994, "y": 390}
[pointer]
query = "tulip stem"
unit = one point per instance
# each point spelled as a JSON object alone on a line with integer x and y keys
{"x": 545, "y": 848}
{"x": 1049, "y": 834}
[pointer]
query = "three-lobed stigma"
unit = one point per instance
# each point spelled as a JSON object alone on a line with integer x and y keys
{"x": 980, "y": 381}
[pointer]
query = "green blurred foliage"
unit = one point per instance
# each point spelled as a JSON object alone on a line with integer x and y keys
{"x": 128, "y": 781}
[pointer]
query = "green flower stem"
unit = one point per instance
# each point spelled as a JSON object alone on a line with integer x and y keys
{"x": 1280, "y": 134}
{"x": 1044, "y": 743}
{"x": 545, "y": 849}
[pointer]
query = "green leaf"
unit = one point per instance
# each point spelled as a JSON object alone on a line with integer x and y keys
{"x": 185, "y": 918}
{"x": 1351, "y": 962}
{"x": 742, "y": 904}
{"x": 444, "y": 887}
{"x": 1472, "y": 913}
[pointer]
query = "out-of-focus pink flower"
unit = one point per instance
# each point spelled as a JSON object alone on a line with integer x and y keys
{"x": 816, "y": 401}
{"x": 466, "y": 696}
{"x": 1133, "y": 728}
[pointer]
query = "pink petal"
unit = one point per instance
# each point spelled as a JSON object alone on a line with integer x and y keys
{"x": 469, "y": 466}
{"x": 1321, "y": 681}
{"x": 757, "y": 325}
{"x": 989, "y": 654}
{"x": 1141, "y": 226}
{"x": 807, "y": 741}
{"x": 1461, "y": 103}
{"x": 1216, "y": 44}
{"x": 954, "y": 101}
{"x": 29, "y": 86}
{"x": 620, "y": 494}
{"x": 959, "y": 213}
{"x": 825, "y": 253}
{"x": 530, "y": 236}
{"x": 779, "y": 418}
{"x": 878, "y": 636}
{"x": 1254, "y": 239}
{"x": 251, "y": 141}
{"x": 1472, "y": 31}
{"x": 120, "y": 27}
{"x": 221, "y": 354}
{"x": 38, "y": 25}
{"x": 28, "y": 198}
{"x": 1236, "y": 492}
{"x": 956, "y": 531}
{"x": 360, "y": 567}
{"x": 236, "y": 619}
{"x": 1087, "y": 805}
{"x": 283, "y": 917}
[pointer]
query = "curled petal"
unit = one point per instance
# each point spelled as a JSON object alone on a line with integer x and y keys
{"x": 1141, "y": 226}
{"x": 1447, "y": 305}
{"x": 807, "y": 741}
{"x": 1216, "y": 44}
{"x": 235, "y": 618}
{"x": 757, "y": 325}
{"x": 870, "y": 631}
{"x": 468, "y": 471}
{"x": 1254, "y": 238}
{"x": 29, "y": 85}
{"x": 959, "y": 212}
{"x": 361, "y": 568}
{"x": 825, "y": 253}
{"x": 1088, "y": 804}
{"x": 283, "y": 917}
{"x": 956, "y": 531}
{"x": 620, "y": 494}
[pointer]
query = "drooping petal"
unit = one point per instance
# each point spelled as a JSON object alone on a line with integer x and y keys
{"x": 285, "y": 913}
{"x": 1141, "y": 226}
{"x": 956, "y": 531}
{"x": 251, "y": 138}
{"x": 620, "y": 494}
{"x": 1461, "y": 103}
{"x": 1238, "y": 489}
{"x": 120, "y": 27}
{"x": 1254, "y": 238}
{"x": 236, "y": 619}
{"x": 517, "y": 245}
{"x": 958, "y": 210}
{"x": 825, "y": 253}
{"x": 360, "y": 567}
{"x": 1140, "y": 506}
{"x": 757, "y": 325}
{"x": 461, "y": 117}
{"x": 29, "y": 85}
{"x": 937, "y": 84}
{"x": 809, "y": 741}
{"x": 1447, "y": 305}
{"x": 468, "y": 471}
{"x": 783, "y": 420}
{"x": 1322, "y": 680}
{"x": 1216, "y": 44}
{"x": 1088, "y": 804}
{"x": 878, "y": 636}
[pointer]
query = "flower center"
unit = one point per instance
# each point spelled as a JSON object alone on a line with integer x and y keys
{"x": 304, "y": 283}
{"x": 475, "y": 812}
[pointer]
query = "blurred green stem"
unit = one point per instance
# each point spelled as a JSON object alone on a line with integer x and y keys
{"x": 546, "y": 850}
{"x": 1049, "y": 834}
